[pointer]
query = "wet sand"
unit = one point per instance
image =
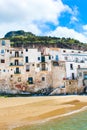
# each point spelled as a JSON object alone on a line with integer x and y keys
{"x": 20, "y": 111}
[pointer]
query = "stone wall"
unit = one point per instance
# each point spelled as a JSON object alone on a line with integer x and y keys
{"x": 58, "y": 74}
{"x": 71, "y": 86}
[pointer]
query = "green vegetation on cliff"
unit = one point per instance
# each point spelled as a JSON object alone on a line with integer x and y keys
{"x": 21, "y": 38}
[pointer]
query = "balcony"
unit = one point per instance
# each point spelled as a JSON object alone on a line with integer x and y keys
{"x": 69, "y": 78}
{"x": 15, "y": 57}
{"x": 44, "y": 69}
{"x": 79, "y": 61}
{"x": 17, "y": 72}
{"x": 20, "y": 64}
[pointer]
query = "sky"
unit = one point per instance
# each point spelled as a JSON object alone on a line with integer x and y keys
{"x": 59, "y": 18}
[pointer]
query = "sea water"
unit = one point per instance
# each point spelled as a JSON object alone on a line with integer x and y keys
{"x": 76, "y": 121}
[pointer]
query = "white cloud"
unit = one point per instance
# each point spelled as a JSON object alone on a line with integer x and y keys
{"x": 66, "y": 32}
{"x": 4, "y": 28}
{"x": 73, "y": 19}
{"x": 45, "y": 10}
{"x": 74, "y": 16}
{"x": 85, "y": 27}
{"x": 28, "y": 14}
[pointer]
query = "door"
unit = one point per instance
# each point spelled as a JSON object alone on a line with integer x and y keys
{"x": 17, "y": 70}
{"x": 16, "y": 62}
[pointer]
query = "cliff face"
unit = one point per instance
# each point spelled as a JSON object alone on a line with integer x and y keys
{"x": 27, "y": 39}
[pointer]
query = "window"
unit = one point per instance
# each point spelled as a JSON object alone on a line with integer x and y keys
{"x": 43, "y": 78}
{"x": 38, "y": 58}
{"x": 11, "y": 76}
{"x": 64, "y": 51}
{"x": 16, "y": 54}
{"x": 69, "y": 82}
{"x": 78, "y": 66}
{"x": 17, "y": 71}
{"x": 55, "y": 63}
{"x": 43, "y": 66}
{"x": 30, "y": 80}
{"x": 71, "y": 66}
{"x": 32, "y": 64}
{"x": 73, "y": 77}
{"x": 11, "y": 63}
{"x": 66, "y": 58}
{"x": 43, "y": 59}
{"x": 16, "y": 62}
{"x": 26, "y": 59}
{"x": 3, "y": 70}
{"x": 21, "y": 52}
{"x": 38, "y": 65}
{"x": 76, "y": 59}
{"x": 10, "y": 52}
{"x": 82, "y": 61}
{"x": 80, "y": 74}
{"x": 2, "y": 51}
{"x": 57, "y": 58}
{"x": 27, "y": 68}
{"x": 7, "y": 50}
{"x": 2, "y": 61}
{"x": 19, "y": 79}
{"x": 26, "y": 50}
{"x": 3, "y": 43}
{"x": 49, "y": 57}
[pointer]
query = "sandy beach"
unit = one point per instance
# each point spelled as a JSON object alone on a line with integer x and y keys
{"x": 19, "y": 111}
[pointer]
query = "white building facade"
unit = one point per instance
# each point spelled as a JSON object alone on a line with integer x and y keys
{"x": 73, "y": 59}
{"x": 4, "y": 58}
{"x": 23, "y": 67}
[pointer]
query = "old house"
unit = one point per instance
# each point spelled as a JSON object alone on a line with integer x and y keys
{"x": 30, "y": 70}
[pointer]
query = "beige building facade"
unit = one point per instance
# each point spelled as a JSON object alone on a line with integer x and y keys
{"x": 29, "y": 70}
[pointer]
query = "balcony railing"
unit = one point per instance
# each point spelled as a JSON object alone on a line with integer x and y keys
{"x": 69, "y": 78}
{"x": 19, "y": 56}
{"x": 44, "y": 69}
{"x": 17, "y": 72}
{"x": 11, "y": 64}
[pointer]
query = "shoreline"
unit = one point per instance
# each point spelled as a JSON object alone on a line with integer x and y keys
{"x": 21, "y": 112}
{"x": 48, "y": 119}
